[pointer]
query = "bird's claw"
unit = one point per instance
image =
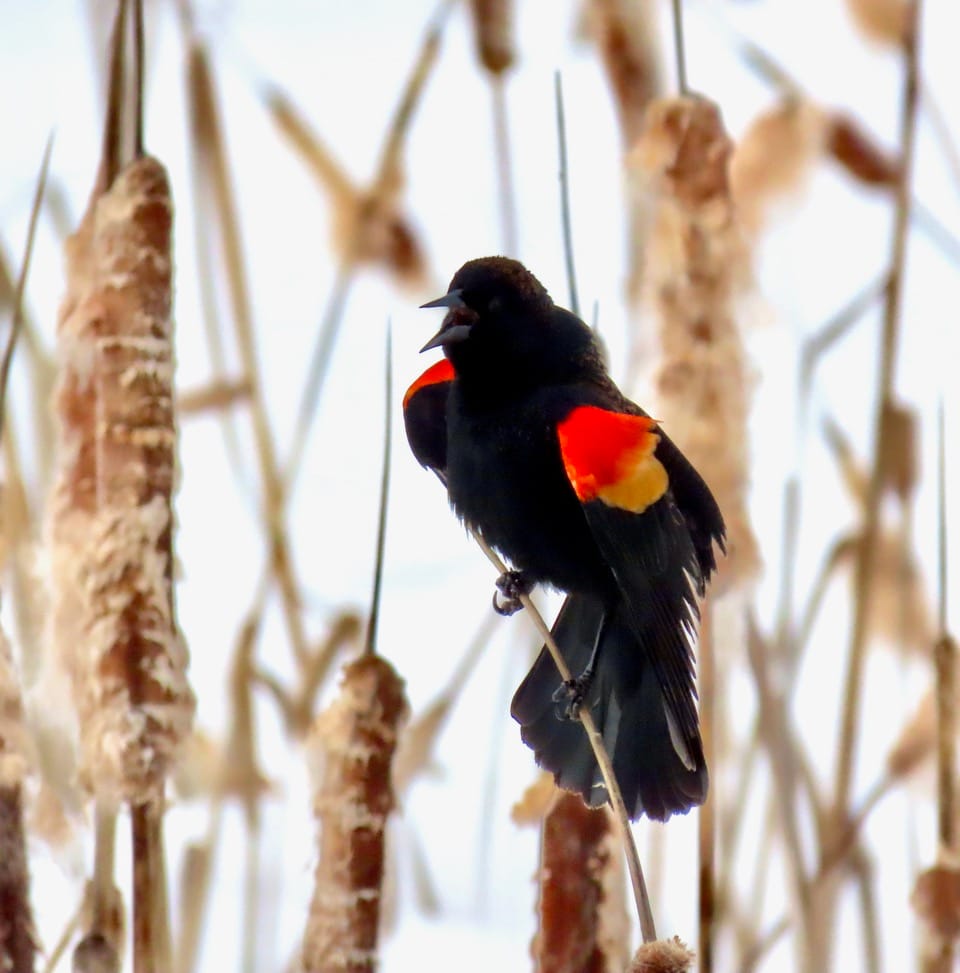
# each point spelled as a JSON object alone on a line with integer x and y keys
{"x": 511, "y": 587}
{"x": 568, "y": 698}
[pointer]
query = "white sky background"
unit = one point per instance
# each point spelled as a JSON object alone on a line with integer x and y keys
{"x": 344, "y": 65}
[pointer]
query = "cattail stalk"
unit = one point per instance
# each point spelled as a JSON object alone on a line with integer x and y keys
{"x": 493, "y": 38}
{"x": 109, "y": 520}
{"x": 888, "y": 352}
{"x": 102, "y": 917}
{"x": 617, "y": 806}
{"x": 208, "y": 137}
{"x": 941, "y": 911}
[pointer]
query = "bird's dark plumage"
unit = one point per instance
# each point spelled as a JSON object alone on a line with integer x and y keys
{"x": 573, "y": 483}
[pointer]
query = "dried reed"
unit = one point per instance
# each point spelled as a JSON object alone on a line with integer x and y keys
{"x": 208, "y": 140}
{"x": 625, "y": 36}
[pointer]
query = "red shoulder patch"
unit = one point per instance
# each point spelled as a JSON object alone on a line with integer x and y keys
{"x": 436, "y": 374}
{"x": 609, "y": 456}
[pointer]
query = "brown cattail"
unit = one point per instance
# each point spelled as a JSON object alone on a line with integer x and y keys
{"x": 774, "y": 156}
{"x": 17, "y": 940}
{"x": 848, "y": 144}
{"x": 625, "y": 33}
{"x": 885, "y": 21}
{"x": 578, "y": 850}
{"x": 357, "y": 736}
{"x": 900, "y": 449}
{"x": 662, "y": 956}
{"x": 936, "y": 900}
{"x": 697, "y": 270}
{"x": 493, "y": 34}
{"x": 109, "y": 517}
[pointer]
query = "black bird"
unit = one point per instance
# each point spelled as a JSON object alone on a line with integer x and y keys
{"x": 578, "y": 488}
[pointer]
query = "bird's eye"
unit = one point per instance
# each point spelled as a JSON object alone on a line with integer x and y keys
{"x": 494, "y": 304}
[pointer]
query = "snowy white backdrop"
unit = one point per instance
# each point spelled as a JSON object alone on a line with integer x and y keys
{"x": 345, "y": 64}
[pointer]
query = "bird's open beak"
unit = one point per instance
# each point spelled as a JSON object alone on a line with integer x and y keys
{"x": 452, "y": 299}
{"x": 451, "y": 332}
{"x": 448, "y": 335}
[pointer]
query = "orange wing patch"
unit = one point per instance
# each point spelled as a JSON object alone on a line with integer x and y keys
{"x": 436, "y": 374}
{"x": 608, "y": 456}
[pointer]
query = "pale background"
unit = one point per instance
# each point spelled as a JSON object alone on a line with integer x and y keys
{"x": 344, "y": 64}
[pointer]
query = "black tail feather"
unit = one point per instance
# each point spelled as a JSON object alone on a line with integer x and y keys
{"x": 658, "y": 772}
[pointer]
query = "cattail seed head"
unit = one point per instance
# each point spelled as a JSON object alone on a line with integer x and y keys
{"x": 625, "y": 32}
{"x": 697, "y": 270}
{"x": 358, "y": 736}
{"x": 493, "y": 34}
{"x": 109, "y": 518}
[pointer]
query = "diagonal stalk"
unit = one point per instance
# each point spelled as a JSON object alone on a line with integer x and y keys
{"x": 639, "y": 886}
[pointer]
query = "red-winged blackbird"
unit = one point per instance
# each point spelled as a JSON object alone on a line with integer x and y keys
{"x": 579, "y": 488}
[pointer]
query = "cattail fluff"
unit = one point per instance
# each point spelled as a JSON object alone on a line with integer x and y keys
{"x": 356, "y": 738}
{"x": 697, "y": 270}
{"x": 109, "y": 519}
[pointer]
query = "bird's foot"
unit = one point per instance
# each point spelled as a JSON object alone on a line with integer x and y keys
{"x": 511, "y": 586}
{"x": 570, "y": 694}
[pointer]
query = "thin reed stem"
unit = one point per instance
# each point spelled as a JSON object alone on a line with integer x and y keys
{"x": 565, "y": 194}
{"x": 370, "y": 644}
{"x": 644, "y": 910}
{"x": 853, "y": 681}
{"x": 206, "y": 121}
{"x": 945, "y": 660}
{"x": 149, "y": 948}
{"x": 16, "y": 318}
{"x": 680, "y": 54}
{"x": 707, "y": 816}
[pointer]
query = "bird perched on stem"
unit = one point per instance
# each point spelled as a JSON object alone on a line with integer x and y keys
{"x": 578, "y": 488}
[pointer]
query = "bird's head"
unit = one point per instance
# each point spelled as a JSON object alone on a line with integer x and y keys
{"x": 497, "y": 322}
